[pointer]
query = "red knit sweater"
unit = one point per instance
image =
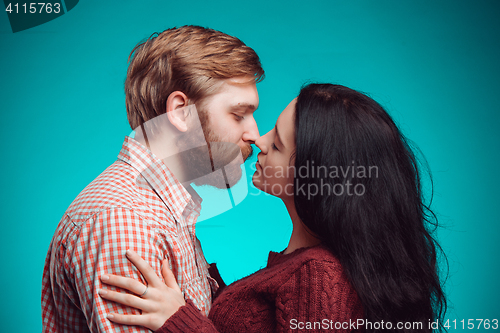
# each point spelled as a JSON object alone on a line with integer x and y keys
{"x": 304, "y": 290}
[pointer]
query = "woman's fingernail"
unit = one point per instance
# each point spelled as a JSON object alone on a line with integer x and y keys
{"x": 109, "y": 316}
{"x": 127, "y": 253}
{"x": 102, "y": 292}
{"x": 105, "y": 277}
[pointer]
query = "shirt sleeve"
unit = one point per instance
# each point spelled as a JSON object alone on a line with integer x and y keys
{"x": 315, "y": 298}
{"x": 99, "y": 249}
{"x": 188, "y": 319}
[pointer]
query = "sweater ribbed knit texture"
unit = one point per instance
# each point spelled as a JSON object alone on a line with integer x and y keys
{"x": 305, "y": 286}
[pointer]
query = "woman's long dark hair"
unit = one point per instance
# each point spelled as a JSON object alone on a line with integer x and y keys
{"x": 362, "y": 196}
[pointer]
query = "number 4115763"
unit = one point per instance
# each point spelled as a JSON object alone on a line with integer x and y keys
{"x": 471, "y": 324}
{"x": 34, "y": 8}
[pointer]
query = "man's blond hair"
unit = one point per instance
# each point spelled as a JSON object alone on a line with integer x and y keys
{"x": 190, "y": 59}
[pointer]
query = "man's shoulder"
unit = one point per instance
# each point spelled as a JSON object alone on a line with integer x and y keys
{"x": 113, "y": 187}
{"x": 120, "y": 186}
{"x": 111, "y": 202}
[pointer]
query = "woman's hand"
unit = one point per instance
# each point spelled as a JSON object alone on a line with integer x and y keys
{"x": 158, "y": 301}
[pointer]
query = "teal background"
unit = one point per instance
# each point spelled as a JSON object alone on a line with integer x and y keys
{"x": 433, "y": 64}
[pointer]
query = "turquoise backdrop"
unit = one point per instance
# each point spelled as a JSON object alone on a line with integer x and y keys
{"x": 433, "y": 64}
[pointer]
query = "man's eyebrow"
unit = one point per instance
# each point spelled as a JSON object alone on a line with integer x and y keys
{"x": 277, "y": 135}
{"x": 244, "y": 106}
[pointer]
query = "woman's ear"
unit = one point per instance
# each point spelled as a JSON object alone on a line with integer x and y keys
{"x": 177, "y": 110}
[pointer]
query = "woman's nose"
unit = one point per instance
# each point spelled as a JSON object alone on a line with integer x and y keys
{"x": 262, "y": 142}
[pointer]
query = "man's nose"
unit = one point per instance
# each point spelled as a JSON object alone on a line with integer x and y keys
{"x": 251, "y": 131}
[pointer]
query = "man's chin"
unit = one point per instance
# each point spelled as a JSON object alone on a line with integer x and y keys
{"x": 246, "y": 152}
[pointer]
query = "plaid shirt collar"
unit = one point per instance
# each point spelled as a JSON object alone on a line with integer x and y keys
{"x": 173, "y": 194}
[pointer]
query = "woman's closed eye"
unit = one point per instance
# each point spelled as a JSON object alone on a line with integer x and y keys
{"x": 274, "y": 146}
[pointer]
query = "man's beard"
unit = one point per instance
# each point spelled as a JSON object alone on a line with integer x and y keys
{"x": 218, "y": 163}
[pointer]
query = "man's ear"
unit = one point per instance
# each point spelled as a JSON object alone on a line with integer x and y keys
{"x": 177, "y": 110}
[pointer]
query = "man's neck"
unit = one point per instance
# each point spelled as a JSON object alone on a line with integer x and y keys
{"x": 177, "y": 161}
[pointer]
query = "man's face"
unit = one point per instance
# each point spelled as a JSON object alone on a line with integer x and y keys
{"x": 227, "y": 117}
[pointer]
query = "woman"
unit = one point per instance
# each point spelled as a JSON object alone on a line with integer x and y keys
{"x": 360, "y": 246}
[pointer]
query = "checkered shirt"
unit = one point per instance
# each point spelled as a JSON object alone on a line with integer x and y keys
{"x": 137, "y": 204}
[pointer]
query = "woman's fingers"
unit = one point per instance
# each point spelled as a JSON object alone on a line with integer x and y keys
{"x": 168, "y": 276}
{"x": 177, "y": 299}
{"x": 145, "y": 269}
{"x": 122, "y": 298}
{"x": 126, "y": 283}
{"x": 124, "y": 319}
{"x": 160, "y": 302}
{"x": 139, "y": 320}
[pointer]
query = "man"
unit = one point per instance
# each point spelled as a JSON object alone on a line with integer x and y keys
{"x": 138, "y": 203}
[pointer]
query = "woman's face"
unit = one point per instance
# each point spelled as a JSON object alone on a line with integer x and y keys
{"x": 275, "y": 169}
